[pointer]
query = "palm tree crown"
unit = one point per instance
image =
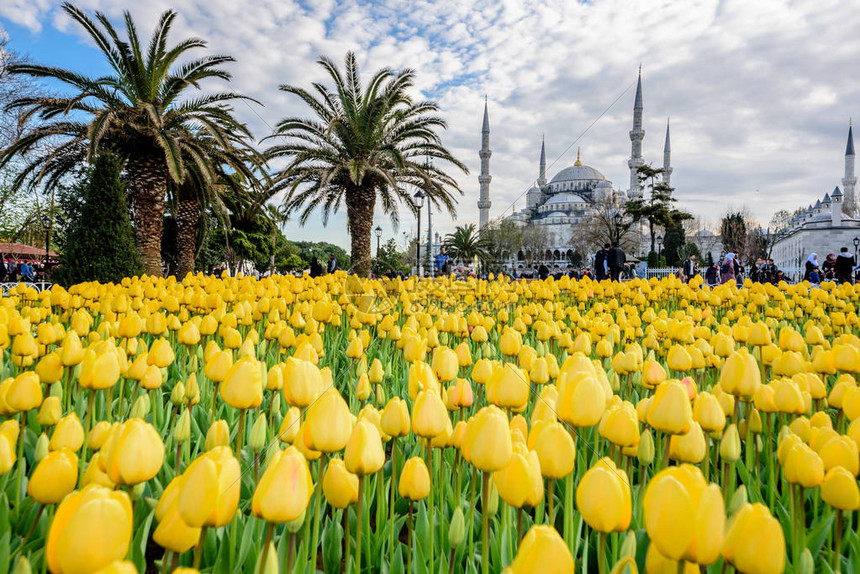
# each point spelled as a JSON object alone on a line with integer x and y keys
{"x": 466, "y": 243}
{"x": 364, "y": 144}
{"x": 141, "y": 111}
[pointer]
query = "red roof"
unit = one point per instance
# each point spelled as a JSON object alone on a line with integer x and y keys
{"x": 22, "y": 250}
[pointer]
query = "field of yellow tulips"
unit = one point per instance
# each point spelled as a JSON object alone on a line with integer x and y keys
{"x": 345, "y": 425}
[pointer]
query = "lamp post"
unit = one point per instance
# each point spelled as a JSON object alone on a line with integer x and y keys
{"x": 618, "y": 218}
{"x": 659, "y": 246}
{"x": 46, "y": 221}
{"x": 378, "y": 233}
{"x": 856, "y": 245}
{"x": 418, "y": 198}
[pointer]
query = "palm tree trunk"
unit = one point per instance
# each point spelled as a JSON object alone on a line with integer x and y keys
{"x": 147, "y": 184}
{"x": 359, "y": 212}
{"x": 187, "y": 220}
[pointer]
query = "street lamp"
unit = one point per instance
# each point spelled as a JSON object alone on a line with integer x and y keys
{"x": 618, "y": 218}
{"x": 46, "y": 221}
{"x": 378, "y": 233}
{"x": 418, "y": 198}
{"x": 856, "y": 245}
{"x": 659, "y": 245}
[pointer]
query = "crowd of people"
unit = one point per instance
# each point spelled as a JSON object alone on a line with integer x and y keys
{"x": 842, "y": 268}
{"x": 13, "y": 271}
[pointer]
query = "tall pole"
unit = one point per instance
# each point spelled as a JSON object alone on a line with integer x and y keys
{"x": 378, "y": 237}
{"x": 418, "y": 247}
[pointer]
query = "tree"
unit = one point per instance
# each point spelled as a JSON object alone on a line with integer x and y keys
{"x": 657, "y": 209}
{"x": 390, "y": 259}
{"x": 605, "y": 223}
{"x": 504, "y": 239}
{"x": 733, "y": 229}
{"x": 307, "y": 250}
{"x": 99, "y": 245}
{"x": 673, "y": 244}
{"x": 141, "y": 111}
{"x": 365, "y": 144}
{"x": 466, "y": 243}
{"x": 535, "y": 240}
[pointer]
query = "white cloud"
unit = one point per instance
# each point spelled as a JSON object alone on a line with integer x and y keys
{"x": 759, "y": 92}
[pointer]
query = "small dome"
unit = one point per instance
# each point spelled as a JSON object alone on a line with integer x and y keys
{"x": 534, "y": 189}
{"x": 560, "y": 198}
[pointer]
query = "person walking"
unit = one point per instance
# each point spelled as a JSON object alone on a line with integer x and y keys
{"x": 441, "y": 262}
{"x": 727, "y": 269}
{"x": 845, "y": 263}
{"x": 615, "y": 260}
{"x": 332, "y": 264}
{"x": 316, "y": 267}
{"x": 600, "y": 263}
{"x": 690, "y": 267}
{"x": 712, "y": 275}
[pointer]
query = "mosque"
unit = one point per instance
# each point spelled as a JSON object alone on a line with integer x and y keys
{"x": 561, "y": 203}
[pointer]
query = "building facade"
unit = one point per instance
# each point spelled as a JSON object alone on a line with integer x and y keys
{"x": 822, "y": 228}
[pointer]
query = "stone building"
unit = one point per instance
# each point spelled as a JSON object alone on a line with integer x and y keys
{"x": 824, "y": 227}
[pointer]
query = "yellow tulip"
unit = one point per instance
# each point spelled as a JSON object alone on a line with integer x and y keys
{"x": 803, "y": 466}
{"x": 54, "y": 477}
{"x": 488, "y": 440}
{"x": 670, "y": 410}
{"x": 581, "y": 399}
{"x": 839, "y": 489}
{"x": 209, "y": 491}
{"x": 414, "y": 482}
{"x": 328, "y": 423}
{"x": 395, "y": 420}
{"x": 285, "y": 489}
{"x": 755, "y": 542}
{"x": 508, "y": 388}
{"x": 679, "y": 359}
{"x": 603, "y": 497}
{"x": 555, "y": 449}
{"x": 708, "y": 413}
{"x": 91, "y": 529}
{"x": 69, "y": 433}
{"x": 243, "y": 386}
{"x": 25, "y": 392}
{"x": 172, "y": 532}
{"x": 445, "y": 364}
{"x": 689, "y": 447}
{"x": 429, "y": 415}
{"x": 364, "y": 454}
{"x": 620, "y": 425}
{"x": 132, "y": 453}
{"x": 339, "y": 485}
{"x": 519, "y": 483}
{"x": 219, "y": 366}
{"x": 542, "y": 551}
{"x": 50, "y": 412}
{"x": 50, "y": 368}
{"x": 740, "y": 375}
{"x": 684, "y": 516}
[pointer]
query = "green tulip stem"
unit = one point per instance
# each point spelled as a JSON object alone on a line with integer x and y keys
{"x": 392, "y": 486}
{"x": 519, "y": 528}
{"x": 291, "y": 552}
{"x": 240, "y": 436}
{"x": 682, "y": 566}
{"x": 550, "y": 497}
{"x": 485, "y": 523}
{"x": 270, "y": 532}
{"x": 471, "y": 512}
{"x": 569, "y": 535}
{"x": 214, "y": 402}
{"x": 409, "y": 541}
{"x": 321, "y": 463}
{"x": 358, "y": 524}
{"x": 666, "y": 451}
{"x": 601, "y": 552}
{"x": 20, "y": 474}
{"x": 177, "y": 462}
{"x": 837, "y": 542}
{"x": 198, "y": 552}
{"x": 380, "y": 499}
{"x": 430, "y": 508}
{"x": 707, "y": 460}
{"x": 347, "y": 543}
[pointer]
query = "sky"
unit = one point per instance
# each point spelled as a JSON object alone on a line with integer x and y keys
{"x": 759, "y": 92}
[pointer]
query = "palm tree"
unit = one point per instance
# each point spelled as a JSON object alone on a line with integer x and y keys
{"x": 141, "y": 110}
{"x": 365, "y": 144}
{"x": 466, "y": 243}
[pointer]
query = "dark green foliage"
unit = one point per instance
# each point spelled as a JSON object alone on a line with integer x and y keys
{"x": 733, "y": 230}
{"x": 99, "y": 243}
{"x": 389, "y": 259}
{"x": 673, "y": 243}
{"x": 692, "y": 249}
{"x": 307, "y": 250}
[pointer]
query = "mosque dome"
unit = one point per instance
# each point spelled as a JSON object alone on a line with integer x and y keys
{"x": 563, "y": 197}
{"x": 578, "y": 173}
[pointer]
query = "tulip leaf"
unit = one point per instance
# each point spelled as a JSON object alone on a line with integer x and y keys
{"x": 332, "y": 542}
{"x": 4, "y": 552}
{"x": 816, "y": 536}
{"x": 249, "y": 537}
{"x": 221, "y": 564}
{"x": 396, "y": 565}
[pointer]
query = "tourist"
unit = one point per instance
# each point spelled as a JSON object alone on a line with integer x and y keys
{"x": 727, "y": 269}
{"x": 690, "y": 267}
{"x": 712, "y": 275}
{"x": 441, "y": 262}
{"x": 316, "y": 267}
{"x": 812, "y": 271}
{"x": 600, "y": 263}
{"x": 615, "y": 260}
{"x": 332, "y": 264}
{"x": 828, "y": 268}
{"x": 845, "y": 263}
{"x": 542, "y": 271}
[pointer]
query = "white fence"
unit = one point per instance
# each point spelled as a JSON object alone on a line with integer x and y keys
{"x": 791, "y": 274}
{"x": 38, "y": 286}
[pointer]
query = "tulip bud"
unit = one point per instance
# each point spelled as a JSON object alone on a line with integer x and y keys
{"x": 51, "y": 412}
{"x": 806, "y": 564}
{"x": 137, "y": 491}
{"x": 22, "y": 566}
{"x": 379, "y": 396}
{"x": 217, "y": 435}
{"x": 182, "y": 431}
{"x": 275, "y": 407}
{"x": 294, "y": 526}
{"x": 41, "y": 447}
{"x": 57, "y": 391}
{"x": 140, "y": 408}
{"x": 645, "y": 453}
{"x": 456, "y": 529}
{"x": 271, "y": 564}
{"x": 730, "y": 445}
{"x": 494, "y": 500}
{"x": 739, "y": 498}
{"x": 628, "y": 547}
{"x": 258, "y": 434}
{"x": 177, "y": 396}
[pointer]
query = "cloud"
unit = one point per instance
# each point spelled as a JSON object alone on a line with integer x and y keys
{"x": 759, "y": 92}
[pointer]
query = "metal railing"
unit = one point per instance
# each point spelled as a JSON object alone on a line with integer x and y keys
{"x": 38, "y": 286}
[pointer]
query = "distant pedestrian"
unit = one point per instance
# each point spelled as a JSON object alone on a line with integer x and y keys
{"x": 316, "y": 267}
{"x": 543, "y": 271}
{"x": 812, "y": 271}
{"x": 600, "y": 263}
{"x": 332, "y": 264}
{"x": 845, "y": 263}
{"x": 727, "y": 269}
{"x": 690, "y": 267}
{"x": 615, "y": 260}
{"x": 828, "y": 268}
{"x": 712, "y": 275}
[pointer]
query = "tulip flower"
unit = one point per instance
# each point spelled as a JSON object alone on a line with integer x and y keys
{"x": 68, "y": 433}
{"x": 339, "y": 485}
{"x": 328, "y": 423}
{"x": 285, "y": 489}
{"x": 209, "y": 491}
{"x": 429, "y": 415}
{"x": 414, "y": 481}
{"x": 519, "y": 483}
{"x": 603, "y": 497}
{"x": 754, "y": 541}
{"x": 684, "y": 516}
{"x": 581, "y": 400}
{"x": 91, "y": 529}
{"x": 172, "y": 532}
{"x": 132, "y": 453}
{"x": 542, "y": 551}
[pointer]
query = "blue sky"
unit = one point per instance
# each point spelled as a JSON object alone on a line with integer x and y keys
{"x": 759, "y": 92}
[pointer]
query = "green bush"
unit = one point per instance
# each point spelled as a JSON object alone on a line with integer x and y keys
{"x": 99, "y": 243}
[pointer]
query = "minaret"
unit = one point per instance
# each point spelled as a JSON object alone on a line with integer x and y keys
{"x": 667, "y": 157}
{"x": 636, "y": 136}
{"x": 849, "y": 181}
{"x": 485, "y": 177}
{"x": 542, "y": 175}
